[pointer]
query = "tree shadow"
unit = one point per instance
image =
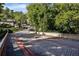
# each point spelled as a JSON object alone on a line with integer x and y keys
{"x": 51, "y": 48}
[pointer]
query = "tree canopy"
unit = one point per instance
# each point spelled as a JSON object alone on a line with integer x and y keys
{"x": 54, "y": 17}
{"x": 18, "y": 17}
{"x": 60, "y": 17}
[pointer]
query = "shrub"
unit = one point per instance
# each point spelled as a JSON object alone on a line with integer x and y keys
{"x": 67, "y": 22}
{"x": 2, "y": 33}
{"x": 5, "y": 26}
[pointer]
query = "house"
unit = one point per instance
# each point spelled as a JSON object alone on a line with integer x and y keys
{"x": 8, "y": 21}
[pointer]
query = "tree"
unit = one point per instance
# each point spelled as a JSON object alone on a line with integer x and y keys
{"x": 20, "y": 18}
{"x": 8, "y": 14}
{"x": 68, "y": 22}
{"x": 1, "y": 11}
{"x": 37, "y": 15}
{"x": 32, "y": 15}
{"x": 58, "y": 16}
{"x": 1, "y": 7}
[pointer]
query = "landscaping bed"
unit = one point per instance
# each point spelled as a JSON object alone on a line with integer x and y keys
{"x": 9, "y": 27}
{"x": 4, "y": 28}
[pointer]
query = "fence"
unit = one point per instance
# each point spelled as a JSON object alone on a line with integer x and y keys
{"x": 3, "y": 45}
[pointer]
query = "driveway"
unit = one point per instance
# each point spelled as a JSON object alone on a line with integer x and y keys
{"x": 49, "y": 47}
{"x": 54, "y": 48}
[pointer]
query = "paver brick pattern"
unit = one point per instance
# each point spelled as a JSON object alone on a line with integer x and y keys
{"x": 46, "y": 47}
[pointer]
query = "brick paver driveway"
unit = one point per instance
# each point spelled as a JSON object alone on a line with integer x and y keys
{"x": 54, "y": 47}
{"x": 12, "y": 48}
{"x": 41, "y": 47}
{"x": 50, "y": 47}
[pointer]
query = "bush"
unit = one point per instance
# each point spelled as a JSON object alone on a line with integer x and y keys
{"x": 10, "y": 28}
{"x": 5, "y": 26}
{"x": 10, "y": 31}
{"x": 67, "y": 22}
{"x": 2, "y": 33}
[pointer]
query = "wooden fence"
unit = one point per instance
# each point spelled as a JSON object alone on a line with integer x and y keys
{"x": 3, "y": 45}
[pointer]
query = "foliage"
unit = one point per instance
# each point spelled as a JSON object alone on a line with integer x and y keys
{"x": 67, "y": 22}
{"x": 1, "y": 10}
{"x": 37, "y": 15}
{"x": 54, "y": 17}
{"x": 5, "y": 26}
{"x": 2, "y": 33}
{"x": 20, "y": 18}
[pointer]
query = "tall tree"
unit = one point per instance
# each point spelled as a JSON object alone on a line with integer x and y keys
{"x": 1, "y": 10}
{"x": 37, "y": 15}
{"x": 20, "y": 18}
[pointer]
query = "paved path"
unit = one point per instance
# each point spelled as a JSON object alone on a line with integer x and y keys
{"x": 53, "y": 48}
{"x": 50, "y": 47}
{"x": 12, "y": 48}
{"x": 46, "y": 47}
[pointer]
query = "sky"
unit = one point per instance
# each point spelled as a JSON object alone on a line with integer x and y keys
{"x": 21, "y": 7}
